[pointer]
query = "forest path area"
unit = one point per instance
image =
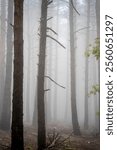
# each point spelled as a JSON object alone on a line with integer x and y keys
{"x": 56, "y": 140}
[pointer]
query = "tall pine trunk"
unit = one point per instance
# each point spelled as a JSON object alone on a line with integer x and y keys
{"x": 98, "y": 36}
{"x": 6, "y": 115}
{"x": 17, "y": 142}
{"x": 86, "y": 119}
{"x": 2, "y": 49}
{"x": 41, "y": 73}
{"x": 28, "y": 67}
{"x": 75, "y": 123}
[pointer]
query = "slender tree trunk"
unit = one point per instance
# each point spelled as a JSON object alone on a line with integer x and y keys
{"x": 75, "y": 123}
{"x": 17, "y": 140}
{"x": 41, "y": 73}
{"x": 34, "y": 122}
{"x": 28, "y": 68}
{"x": 56, "y": 68}
{"x": 2, "y": 50}
{"x": 49, "y": 100}
{"x": 98, "y": 36}
{"x": 6, "y": 115}
{"x": 86, "y": 119}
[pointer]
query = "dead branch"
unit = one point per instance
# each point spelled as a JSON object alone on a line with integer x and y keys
{"x": 81, "y": 29}
{"x": 56, "y": 41}
{"x": 11, "y": 25}
{"x": 55, "y": 140}
{"x": 39, "y": 34}
{"x": 74, "y": 7}
{"x": 66, "y": 138}
{"x": 49, "y": 2}
{"x": 46, "y": 90}
{"x": 52, "y": 30}
{"x": 54, "y": 82}
{"x": 49, "y": 18}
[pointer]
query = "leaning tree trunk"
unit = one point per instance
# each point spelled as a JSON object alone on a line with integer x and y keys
{"x": 41, "y": 72}
{"x": 76, "y": 128}
{"x": 17, "y": 140}
{"x": 6, "y": 115}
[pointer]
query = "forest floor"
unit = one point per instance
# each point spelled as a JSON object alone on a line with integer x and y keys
{"x": 57, "y": 139}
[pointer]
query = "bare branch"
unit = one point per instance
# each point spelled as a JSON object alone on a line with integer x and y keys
{"x": 49, "y": 18}
{"x": 54, "y": 82}
{"x": 56, "y": 41}
{"x": 81, "y": 29}
{"x": 74, "y": 7}
{"x": 11, "y": 25}
{"x": 46, "y": 90}
{"x": 56, "y": 141}
{"x": 50, "y": 1}
{"x": 52, "y": 30}
{"x": 66, "y": 138}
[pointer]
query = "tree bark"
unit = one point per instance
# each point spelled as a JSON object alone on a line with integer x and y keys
{"x": 17, "y": 140}
{"x": 2, "y": 50}
{"x": 41, "y": 73}
{"x": 76, "y": 128}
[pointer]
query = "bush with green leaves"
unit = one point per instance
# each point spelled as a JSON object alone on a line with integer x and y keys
{"x": 94, "y": 49}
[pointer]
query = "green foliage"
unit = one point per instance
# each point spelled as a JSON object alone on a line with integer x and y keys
{"x": 94, "y": 49}
{"x": 98, "y": 113}
{"x": 94, "y": 90}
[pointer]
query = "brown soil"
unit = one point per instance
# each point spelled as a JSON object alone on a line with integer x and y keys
{"x": 57, "y": 140}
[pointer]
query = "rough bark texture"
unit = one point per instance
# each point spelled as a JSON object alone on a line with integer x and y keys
{"x": 76, "y": 128}
{"x": 17, "y": 142}
{"x": 6, "y": 115}
{"x": 41, "y": 72}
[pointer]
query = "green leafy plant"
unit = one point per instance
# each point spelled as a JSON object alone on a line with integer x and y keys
{"x": 94, "y": 90}
{"x": 94, "y": 49}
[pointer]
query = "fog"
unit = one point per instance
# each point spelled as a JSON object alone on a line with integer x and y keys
{"x": 58, "y": 57}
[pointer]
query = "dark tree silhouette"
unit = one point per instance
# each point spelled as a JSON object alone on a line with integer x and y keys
{"x": 17, "y": 141}
{"x": 41, "y": 72}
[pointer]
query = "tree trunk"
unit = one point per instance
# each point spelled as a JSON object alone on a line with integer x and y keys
{"x": 41, "y": 73}
{"x": 6, "y": 115}
{"x": 76, "y": 128}
{"x": 34, "y": 122}
{"x": 56, "y": 68}
{"x": 86, "y": 119}
{"x": 17, "y": 140}
{"x": 98, "y": 36}
{"x": 2, "y": 50}
{"x": 28, "y": 68}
